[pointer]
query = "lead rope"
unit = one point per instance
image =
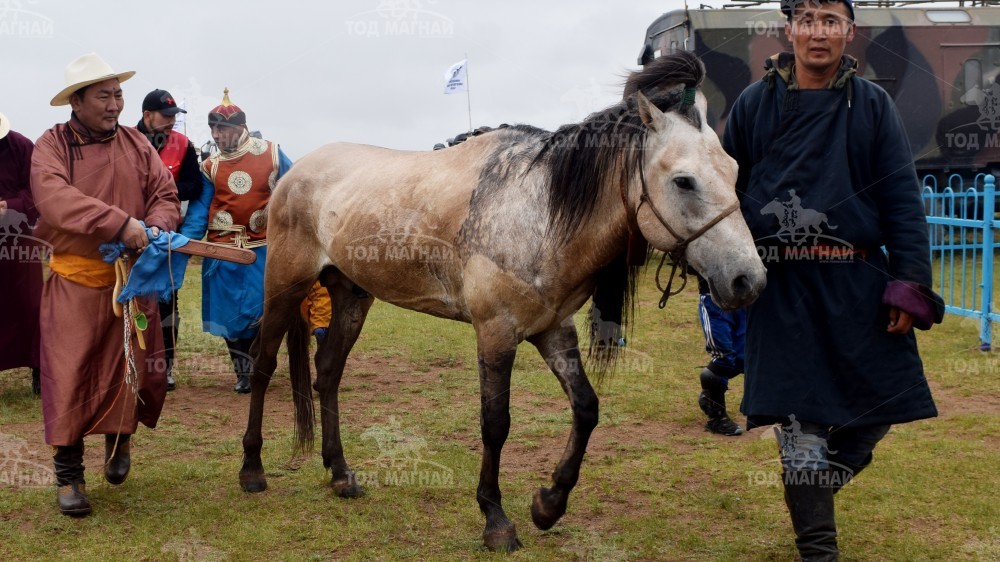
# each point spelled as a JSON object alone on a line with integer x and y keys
{"x": 675, "y": 265}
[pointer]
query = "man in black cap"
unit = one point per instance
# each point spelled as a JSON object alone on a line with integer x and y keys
{"x": 159, "y": 113}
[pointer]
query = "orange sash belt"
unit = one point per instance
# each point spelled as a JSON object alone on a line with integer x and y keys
{"x": 89, "y": 272}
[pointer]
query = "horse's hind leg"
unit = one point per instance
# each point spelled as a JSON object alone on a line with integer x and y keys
{"x": 560, "y": 349}
{"x": 495, "y": 363}
{"x": 350, "y": 308}
{"x": 281, "y": 307}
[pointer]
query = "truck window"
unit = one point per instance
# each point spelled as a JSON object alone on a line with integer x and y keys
{"x": 973, "y": 78}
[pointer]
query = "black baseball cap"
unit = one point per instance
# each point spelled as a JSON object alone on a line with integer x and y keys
{"x": 162, "y": 101}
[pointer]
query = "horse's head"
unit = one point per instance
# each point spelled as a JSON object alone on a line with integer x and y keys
{"x": 774, "y": 207}
{"x": 686, "y": 198}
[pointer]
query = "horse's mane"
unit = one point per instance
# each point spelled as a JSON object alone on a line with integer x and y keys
{"x": 607, "y": 149}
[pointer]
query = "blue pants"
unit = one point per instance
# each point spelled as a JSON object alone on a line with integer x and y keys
{"x": 725, "y": 334}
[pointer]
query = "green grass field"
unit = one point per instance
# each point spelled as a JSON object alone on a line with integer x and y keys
{"x": 654, "y": 485}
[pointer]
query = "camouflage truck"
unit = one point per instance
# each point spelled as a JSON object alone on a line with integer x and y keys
{"x": 940, "y": 62}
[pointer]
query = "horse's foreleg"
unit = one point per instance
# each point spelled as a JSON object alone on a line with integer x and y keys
{"x": 279, "y": 312}
{"x": 560, "y": 349}
{"x": 349, "y": 313}
{"x": 494, "y": 420}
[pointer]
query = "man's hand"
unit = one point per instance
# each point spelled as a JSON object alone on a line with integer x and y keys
{"x": 3, "y": 207}
{"x": 900, "y": 321}
{"x": 134, "y": 235}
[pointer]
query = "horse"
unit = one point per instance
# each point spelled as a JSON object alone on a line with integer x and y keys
{"x": 512, "y": 231}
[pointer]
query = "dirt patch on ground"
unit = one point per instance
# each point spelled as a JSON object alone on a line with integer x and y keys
{"x": 208, "y": 408}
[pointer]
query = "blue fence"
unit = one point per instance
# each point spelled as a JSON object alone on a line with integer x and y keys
{"x": 961, "y": 224}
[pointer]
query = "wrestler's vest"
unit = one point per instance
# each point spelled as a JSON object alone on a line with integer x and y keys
{"x": 173, "y": 152}
{"x": 243, "y": 184}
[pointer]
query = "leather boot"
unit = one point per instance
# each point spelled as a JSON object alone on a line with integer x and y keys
{"x": 242, "y": 384}
{"x": 116, "y": 467}
{"x": 809, "y": 498}
{"x": 71, "y": 495}
{"x": 712, "y": 401}
{"x": 841, "y": 473}
{"x": 171, "y": 383}
{"x": 36, "y": 382}
{"x": 239, "y": 352}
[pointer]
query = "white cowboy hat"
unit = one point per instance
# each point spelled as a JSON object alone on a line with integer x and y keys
{"x": 84, "y": 71}
{"x": 4, "y": 125}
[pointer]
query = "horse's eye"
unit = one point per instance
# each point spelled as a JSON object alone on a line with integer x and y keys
{"x": 685, "y": 183}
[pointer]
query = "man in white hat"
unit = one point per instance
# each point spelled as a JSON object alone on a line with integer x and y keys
{"x": 20, "y": 256}
{"x": 93, "y": 182}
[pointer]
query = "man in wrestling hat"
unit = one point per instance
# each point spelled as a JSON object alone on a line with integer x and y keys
{"x": 237, "y": 183}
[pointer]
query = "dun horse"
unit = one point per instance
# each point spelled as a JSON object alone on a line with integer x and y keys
{"x": 511, "y": 231}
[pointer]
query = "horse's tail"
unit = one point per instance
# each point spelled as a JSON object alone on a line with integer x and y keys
{"x": 610, "y": 315}
{"x": 302, "y": 398}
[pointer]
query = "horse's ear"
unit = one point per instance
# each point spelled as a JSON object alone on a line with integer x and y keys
{"x": 651, "y": 115}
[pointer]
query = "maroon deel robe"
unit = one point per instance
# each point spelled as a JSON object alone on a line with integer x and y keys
{"x": 85, "y": 194}
{"x": 20, "y": 257}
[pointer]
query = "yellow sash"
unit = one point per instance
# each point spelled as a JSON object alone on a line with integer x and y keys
{"x": 89, "y": 272}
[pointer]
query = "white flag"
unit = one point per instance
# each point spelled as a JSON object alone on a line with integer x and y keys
{"x": 457, "y": 78}
{"x": 181, "y": 118}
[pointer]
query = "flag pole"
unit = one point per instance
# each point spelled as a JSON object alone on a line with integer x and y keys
{"x": 468, "y": 87}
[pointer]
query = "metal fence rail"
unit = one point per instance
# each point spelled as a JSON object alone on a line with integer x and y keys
{"x": 961, "y": 226}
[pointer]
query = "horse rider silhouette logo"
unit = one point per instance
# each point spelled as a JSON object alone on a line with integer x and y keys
{"x": 16, "y": 242}
{"x": 798, "y": 225}
{"x": 401, "y": 460}
{"x": 18, "y": 469}
{"x": 11, "y": 222}
{"x": 988, "y": 101}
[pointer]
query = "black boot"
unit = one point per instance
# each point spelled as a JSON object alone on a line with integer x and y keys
{"x": 71, "y": 495}
{"x": 116, "y": 467}
{"x": 36, "y": 382}
{"x": 170, "y": 324}
{"x": 242, "y": 384}
{"x": 841, "y": 473}
{"x": 171, "y": 383}
{"x": 712, "y": 401}
{"x": 239, "y": 352}
{"x": 809, "y": 498}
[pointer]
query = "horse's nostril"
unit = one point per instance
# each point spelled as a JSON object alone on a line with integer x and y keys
{"x": 742, "y": 286}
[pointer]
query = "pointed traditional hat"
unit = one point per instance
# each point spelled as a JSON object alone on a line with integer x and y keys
{"x": 84, "y": 71}
{"x": 227, "y": 113}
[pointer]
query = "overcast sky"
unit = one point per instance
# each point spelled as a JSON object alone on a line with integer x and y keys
{"x": 310, "y": 73}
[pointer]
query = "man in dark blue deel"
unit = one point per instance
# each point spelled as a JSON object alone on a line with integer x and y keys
{"x": 826, "y": 181}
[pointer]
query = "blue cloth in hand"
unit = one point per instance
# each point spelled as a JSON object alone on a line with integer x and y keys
{"x": 151, "y": 275}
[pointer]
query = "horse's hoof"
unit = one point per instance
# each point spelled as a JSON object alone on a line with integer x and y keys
{"x": 503, "y": 539}
{"x": 253, "y": 482}
{"x": 347, "y": 488}
{"x": 546, "y": 508}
